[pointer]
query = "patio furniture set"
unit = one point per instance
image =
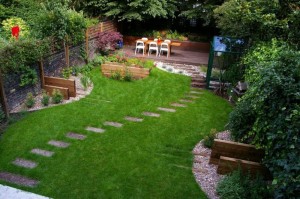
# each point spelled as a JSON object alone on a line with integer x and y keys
{"x": 156, "y": 45}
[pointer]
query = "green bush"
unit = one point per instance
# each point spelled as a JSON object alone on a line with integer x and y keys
{"x": 128, "y": 76}
{"x": 67, "y": 72}
{"x": 30, "y": 101}
{"x": 45, "y": 98}
{"x": 57, "y": 96}
{"x": 209, "y": 139}
{"x": 85, "y": 81}
{"x": 240, "y": 186}
{"x": 116, "y": 75}
{"x": 268, "y": 115}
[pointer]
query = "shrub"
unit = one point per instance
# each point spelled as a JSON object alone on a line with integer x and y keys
{"x": 116, "y": 75}
{"x": 85, "y": 81}
{"x": 66, "y": 72}
{"x": 209, "y": 139}
{"x": 268, "y": 114}
{"x": 57, "y": 96}
{"x": 108, "y": 40}
{"x": 45, "y": 98}
{"x": 238, "y": 185}
{"x": 30, "y": 101}
{"x": 14, "y": 21}
{"x": 128, "y": 76}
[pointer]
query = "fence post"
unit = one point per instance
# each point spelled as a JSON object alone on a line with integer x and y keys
{"x": 101, "y": 27}
{"x": 41, "y": 66}
{"x": 67, "y": 55}
{"x": 3, "y": 97}
{"x": 87, "y": 45}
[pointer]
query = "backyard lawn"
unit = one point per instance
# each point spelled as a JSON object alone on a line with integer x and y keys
{"x": 149, "y": 159}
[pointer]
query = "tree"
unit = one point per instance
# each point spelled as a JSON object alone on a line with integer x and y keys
{"x": 129, "y": 10}
{"x": 260, "y": 19}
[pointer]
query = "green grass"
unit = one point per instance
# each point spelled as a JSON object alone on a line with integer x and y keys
{"x": 151, "y": 159}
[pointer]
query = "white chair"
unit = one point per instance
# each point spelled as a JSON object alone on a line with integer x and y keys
{"x": 164, "y": 47}
{"x": 156, "y": 40}
{"x": 153, "y": 46}
{"x": 167, "y": 41}
{"x": 140, "y": 45}
{"x": 145, "y": 39}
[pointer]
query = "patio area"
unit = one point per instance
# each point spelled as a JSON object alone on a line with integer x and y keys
{"x": 177, "y": 56}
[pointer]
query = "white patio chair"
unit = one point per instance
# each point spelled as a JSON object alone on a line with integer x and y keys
{"x": 167, "y": 41}
{"x": 164, "y": 47}
{"x": 140, "y": 45}
{"x": 153, "y": 46}
{"x": 145, "y": 39}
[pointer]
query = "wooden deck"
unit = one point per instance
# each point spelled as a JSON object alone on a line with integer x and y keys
{"x": 177, "y": 56}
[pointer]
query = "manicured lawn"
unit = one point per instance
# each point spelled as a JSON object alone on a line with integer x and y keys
{"x": 151, "y": 159}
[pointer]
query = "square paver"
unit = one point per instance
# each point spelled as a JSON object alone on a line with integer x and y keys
{"x": 75, "y": 136}
{"x": 42, "y": 152}
{"x": 25, "y": 163}
{"x": 59, "y": 144}
{"x": 18, "y": 179}
{"x": 133, "y": 119}
{"x": 95, "y": 130}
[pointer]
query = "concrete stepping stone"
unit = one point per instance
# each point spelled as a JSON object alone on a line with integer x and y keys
{"x": 150, "y": 114}
{"x": 75, "y": 136}
{"x": 42, "y": 152}
{"x": 186, "y": 100}
{"x": 193, "y": 96}
{"x": 133, "y": 119}
{"x": 59, "y": 144}
{"x": 18, "y": 179}
{"x": 114, "y": 124}
{"x": 25, "y": 163}
{"x": 178, "y": 105}
{"x": 166, "y": 109}
{"x": 95, "y": 130}
{"x": 196, "y": 92}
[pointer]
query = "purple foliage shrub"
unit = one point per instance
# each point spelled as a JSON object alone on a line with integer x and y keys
{"x": 108, "y": 40}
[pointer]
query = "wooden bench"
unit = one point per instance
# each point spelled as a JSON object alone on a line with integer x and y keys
{"x": 66, "y": 86}
{"x": 230, "y": 156}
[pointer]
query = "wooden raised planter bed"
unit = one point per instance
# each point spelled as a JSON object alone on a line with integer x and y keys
{"x": 137, "y": 73}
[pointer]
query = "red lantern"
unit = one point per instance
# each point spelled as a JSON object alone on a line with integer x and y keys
{"x": 15, "y": 31}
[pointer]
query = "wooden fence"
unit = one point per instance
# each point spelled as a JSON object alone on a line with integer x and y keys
{"x": 230, "y": 156}
{"x": 137, "y": 73}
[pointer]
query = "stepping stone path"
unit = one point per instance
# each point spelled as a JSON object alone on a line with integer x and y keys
{"x": 24, "y": 163}
{"x": 95, "y": 130}
{"x": 59, "y": 144}
{"x": 42, "y": 152}
{"x": 178, "y": 105}
{"x": 166, "y": 109}
{"x": 186, "y": 100}
{"x": 75, "y": 136}
{"x": 133, "y": 119}
{"x": 114, "y": 124}
{"x": 18, "y": 179}
{"x": 150, "y": 114}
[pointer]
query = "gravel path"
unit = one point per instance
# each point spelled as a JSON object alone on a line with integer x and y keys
{"x": 206, "y": 174}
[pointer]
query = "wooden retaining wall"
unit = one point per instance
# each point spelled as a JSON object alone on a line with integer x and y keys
{"x": 137, "y": 73}
{"x": 230, "y": 156}
{"x": 66, "y": 86}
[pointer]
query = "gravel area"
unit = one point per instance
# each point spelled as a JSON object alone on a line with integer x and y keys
{"x": 206, "y": 174}
{"x": 80, "y": 93}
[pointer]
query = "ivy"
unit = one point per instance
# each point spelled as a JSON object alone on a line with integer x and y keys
{"x": 269, "y": 113}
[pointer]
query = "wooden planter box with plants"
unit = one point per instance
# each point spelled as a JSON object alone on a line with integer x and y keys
{"x": 112, "y": 68}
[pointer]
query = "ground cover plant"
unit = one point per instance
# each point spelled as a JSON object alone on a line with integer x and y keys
{"x": 150, "y": 159}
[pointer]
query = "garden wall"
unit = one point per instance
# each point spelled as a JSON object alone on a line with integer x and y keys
{"x": 53, "y": 66}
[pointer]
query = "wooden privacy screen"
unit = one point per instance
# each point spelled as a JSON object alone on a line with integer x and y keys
{"x": 137, "y": 73}
{"x": 230, "y": 156}
{"x": 66, "y": 86}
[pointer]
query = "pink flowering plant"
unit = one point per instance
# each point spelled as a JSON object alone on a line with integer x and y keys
{"x": 108, "y": 40}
